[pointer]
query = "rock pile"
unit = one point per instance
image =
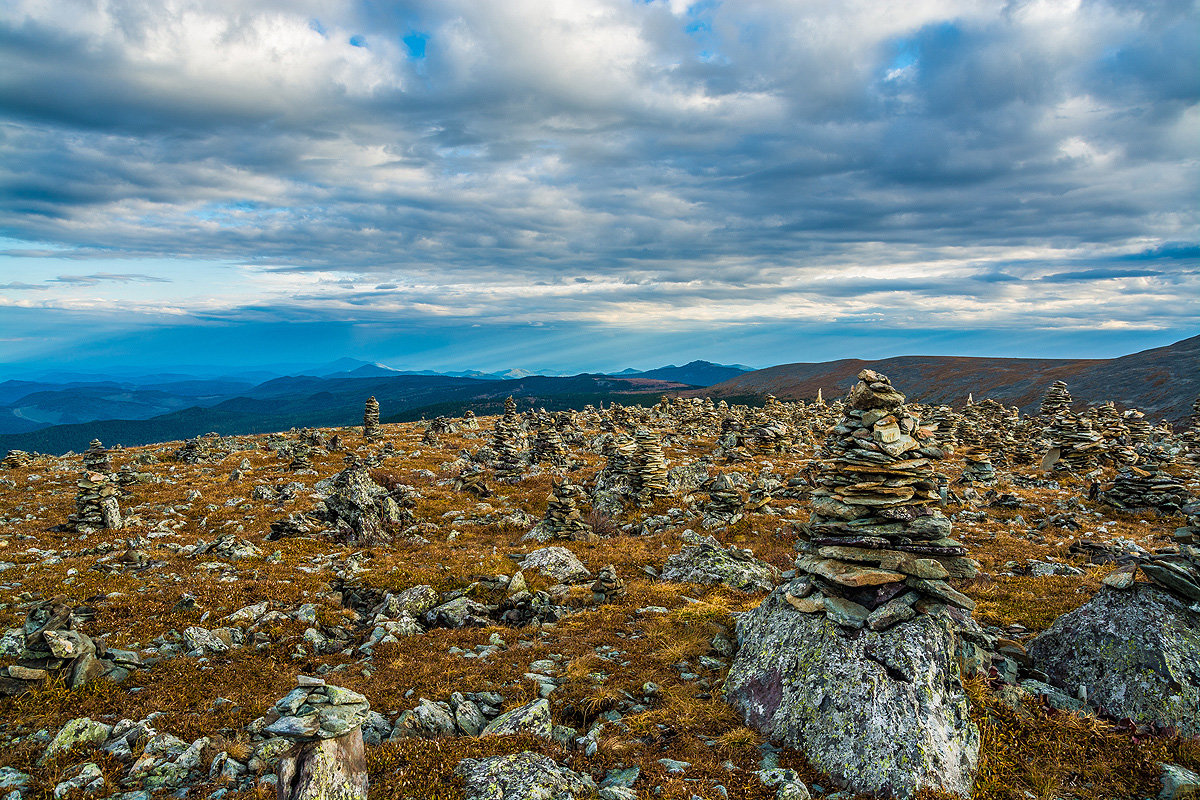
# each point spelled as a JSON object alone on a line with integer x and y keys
{"x": 608, "y": 586}
{"x": 16, "y": 459}
{"x": 96, "y": 504}
{"x": 471, "y": 479}
{"x": 370, "y": 426}
{"x": 1074, "y": 446}
{"x": 1057, "y": 400}
{"x": 878, "y": 553}
{"x": 96, "y": 458}
{"x": 548, "y": 447}
{"x": 1135, "y": 488}
{"x": 726, "y": 502}
{"x": 1178, "y": 570}
{"x": 52, "y": 645}
{"x": 193, "y": 451}
{"x": 327, "y": 759}
{"x": 360, "y": 509}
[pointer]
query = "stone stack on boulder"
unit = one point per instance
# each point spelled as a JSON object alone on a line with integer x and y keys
{"x": 563, "y": 519}
{"x": 878, "y": 550}
{"x": 53, "y": 645}
{"x": 650, "y": 467}
{"x": 608, "y": 586}
{"x": 327, "y": 760}
{"x": 978, "y": 467}
{"x": 507, "y": 443}
{"x": 1057, "y": 400}
{"x": 96, "y": 504}
{"x": 96, "y": 458}
{"x": 301, "y": 457}
{"x": 16, "y": 459}
{"x": 361, "y": 510}
{"x": 370, "y": 426}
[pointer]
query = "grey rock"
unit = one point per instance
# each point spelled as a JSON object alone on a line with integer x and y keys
{"x": 705, "y": 561}
{"x": 532, "y": 718}
{"x": 556, "y": 563}
{"x": 1136, "y": 652}
{"x": 520, "y": 776}
{"x": 881, "y": 711}
{"x": 79, "y": 731}
{"x": 1178, "y": 783}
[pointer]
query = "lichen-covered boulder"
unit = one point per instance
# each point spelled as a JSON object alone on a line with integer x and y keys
{"x": 556, "y": 563}
{"x": 327, "y": 769}
{"x": 1135, "y": 650}
{"x": 881, "y": 711}
{"x": 532, "y": 718}
{"x": 703, "y": 560}
{"x": 520, "y": 776}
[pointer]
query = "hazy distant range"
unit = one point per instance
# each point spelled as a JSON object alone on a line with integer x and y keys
{"x": 62, "y": 411}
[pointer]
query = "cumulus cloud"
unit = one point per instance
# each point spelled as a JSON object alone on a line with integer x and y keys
{"x": 964, "y": 162}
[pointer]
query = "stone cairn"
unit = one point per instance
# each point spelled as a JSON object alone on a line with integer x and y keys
{"x": 327, "y": 760}
{"x": 1057, "y": 400}
{"x": 650, "y": 467}
{"x": 548, "y": 447}
{"x": 371, "y": 429}
{"x": 506, "y": 443}
{"x": 16, "y": 459}
{"x": 301, "y": 457}
{"x": 1146, "y": 486}
{"x": 1191, "y": 436}
{"x": 977, "y": 466}
{"x": 726, "y": 502}
{"x": 193, "y": 451}
{"x": 563, "y": 519}
{"x": 878, "y": 552}
{"x": 53, "y": 646}
{"x": 471, "y": 479}
{"x": 470, "y": 421}
{"x": 1074, "y": 446}
{"x": 608, "y": 586}
{"x": 1176, "y": 569}
{"x": 96, "y": 458}
{"x": 96, "y": 504}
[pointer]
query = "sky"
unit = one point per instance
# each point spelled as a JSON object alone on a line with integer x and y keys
{"x": 594, "y": 184}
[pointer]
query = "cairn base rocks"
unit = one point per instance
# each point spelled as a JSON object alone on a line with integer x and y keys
{"x": 883, "y": 712}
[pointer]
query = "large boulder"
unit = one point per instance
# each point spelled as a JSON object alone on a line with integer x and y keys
{"x": 881, "y": 711}
{"x": 1137, "y": 651}
{"x": 521, "y": 776}
{"x": 703, "y": 560}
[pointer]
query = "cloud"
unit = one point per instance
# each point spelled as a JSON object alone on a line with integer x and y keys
{"x": 103, "y": 277}
{"x": 607, "y": 162}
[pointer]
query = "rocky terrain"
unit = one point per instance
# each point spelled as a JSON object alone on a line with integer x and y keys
{"x": 867, "y": 598}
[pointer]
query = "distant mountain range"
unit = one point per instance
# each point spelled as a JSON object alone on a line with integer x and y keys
{"x": 1162, "y": 382}
{"x": 49, "y": 416}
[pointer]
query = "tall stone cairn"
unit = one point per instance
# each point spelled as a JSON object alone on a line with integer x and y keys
{"x": 1056, "y": 400}
{"x": 96, "y": 458}
{"x": 506, "y": 443}
{"x": 878, "y": 551}
{"x": 563, "y": 519}
{"x": 650, "y": 467}
{"x": 1191, "y": 436}
{"x": 1074, "y": 446}
{"x": 371, "y": 430}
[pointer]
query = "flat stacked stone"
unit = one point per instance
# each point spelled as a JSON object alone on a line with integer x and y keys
{"x": 327, "y": 760}
{"x": 1191, "y": 437}
{"x": 877, "y": 551}
{"x": 301, "y": 457}
{"x": 1135, "y": 488}
{"x": 16, "y": 459}
{"x": 370, "y": 426}
{"x": 439, "y": 427}
{"x": 1074, "y": 446}
{"x": 761, "y": 493}
{"x": 193, "y": 451}
{"x": 650, "y": 467}
{"x": 944, "y": 423}
{"x": 54, "y": 646}
{"x": 1057, "y": 400}
{"x": 1110, "y": 425}
{"x": 96, "y": 458}
{"x": 1178, "y": 569}
{"x": 768, "y": 437}
{"x": 96, "y": 503}
{"x": 563, "y": 519}
{"x": 977, "y": 466}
